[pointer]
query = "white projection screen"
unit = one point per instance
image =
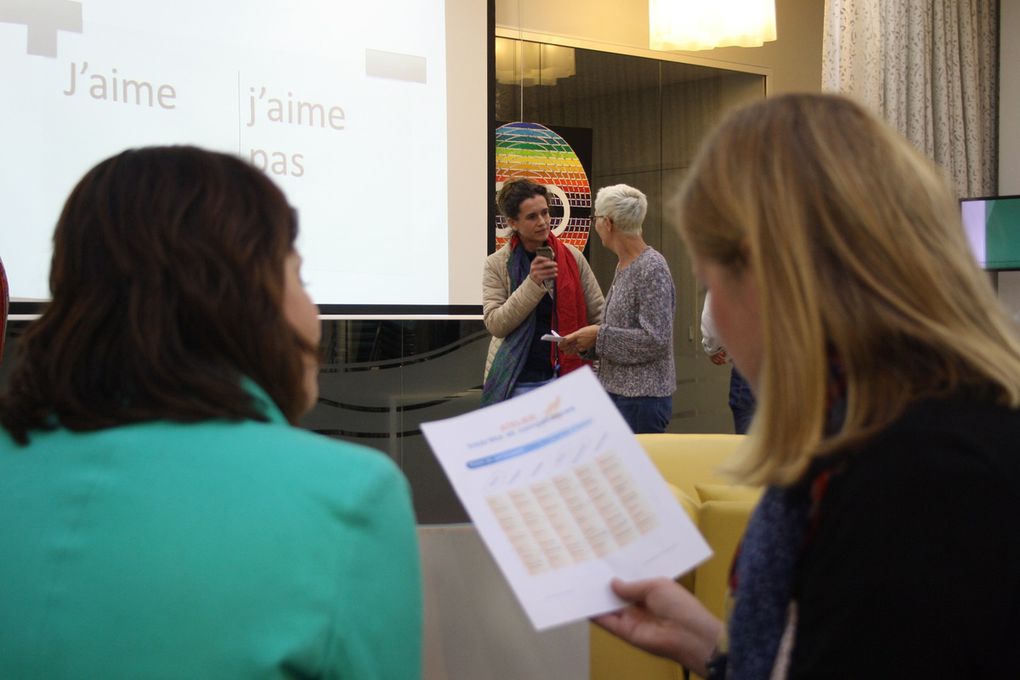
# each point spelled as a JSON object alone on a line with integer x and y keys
{"x": 373, "y": 117}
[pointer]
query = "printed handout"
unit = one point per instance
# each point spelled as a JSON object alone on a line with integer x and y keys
{"x": 565, "y": 498}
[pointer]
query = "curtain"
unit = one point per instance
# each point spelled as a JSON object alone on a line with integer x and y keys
{"x": 930, "y": 69}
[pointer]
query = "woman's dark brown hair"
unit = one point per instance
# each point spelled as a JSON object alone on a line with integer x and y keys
{"x": 514, "y": 192}
{"x": 167, "y": 282}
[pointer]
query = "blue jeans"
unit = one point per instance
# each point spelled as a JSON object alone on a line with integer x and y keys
{"x": 525, "y": 387}
{"x": 644, "y": 414}
{"x": 742, "y": 402}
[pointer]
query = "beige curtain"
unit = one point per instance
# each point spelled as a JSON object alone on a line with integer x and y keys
{"x": 930, "y": 68}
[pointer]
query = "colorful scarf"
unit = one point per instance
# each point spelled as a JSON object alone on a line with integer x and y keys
{"x": 571, "y": 312}
{"x": 571, "y": 309}
{"x": 764, "y": 568}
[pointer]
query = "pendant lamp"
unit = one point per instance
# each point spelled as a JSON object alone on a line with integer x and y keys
{"x": 706, "y": 24}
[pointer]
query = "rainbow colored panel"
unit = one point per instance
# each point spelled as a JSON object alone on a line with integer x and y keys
{"x": 536, "y": 152}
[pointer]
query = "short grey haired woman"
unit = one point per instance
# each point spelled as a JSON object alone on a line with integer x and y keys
{"x": 634, "y": 342}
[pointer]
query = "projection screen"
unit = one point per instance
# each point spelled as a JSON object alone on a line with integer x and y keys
{"x": 374, "y": 118}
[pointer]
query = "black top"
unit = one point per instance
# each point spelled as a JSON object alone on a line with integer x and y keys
{"x": 913, "y": 569}
{"x": 539, "y": 364}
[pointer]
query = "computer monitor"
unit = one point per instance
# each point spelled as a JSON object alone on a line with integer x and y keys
{"x": 992, "y": 224}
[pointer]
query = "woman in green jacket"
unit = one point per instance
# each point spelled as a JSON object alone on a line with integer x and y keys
{"x": 162, "y": 516}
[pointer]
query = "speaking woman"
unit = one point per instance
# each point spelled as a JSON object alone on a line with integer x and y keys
{"x": 161, "y": 514}
{"x": 887, "y": 431}
{"x": 525, "y": 295}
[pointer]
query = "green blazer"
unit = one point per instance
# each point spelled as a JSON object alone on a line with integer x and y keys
{"x": 208, "y": 550}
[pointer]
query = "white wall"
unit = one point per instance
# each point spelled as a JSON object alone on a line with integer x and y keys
{"x": 1009, "y": 98}
{"x": 1009, "y": 130}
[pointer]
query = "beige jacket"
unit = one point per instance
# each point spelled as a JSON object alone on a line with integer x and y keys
{"x": 503, "y": 312}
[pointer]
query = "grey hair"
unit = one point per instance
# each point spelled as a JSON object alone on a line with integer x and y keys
{"x": 624, "y": 205}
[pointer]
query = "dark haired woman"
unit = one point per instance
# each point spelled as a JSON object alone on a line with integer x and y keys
{"x": 161, "y": 514}
{"x": 525, "y": 295}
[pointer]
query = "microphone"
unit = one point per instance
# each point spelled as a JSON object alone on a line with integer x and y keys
{"x": 545, "y": 250}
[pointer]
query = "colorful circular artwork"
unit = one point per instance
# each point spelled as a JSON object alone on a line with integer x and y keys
{"x": 536, "y": 152}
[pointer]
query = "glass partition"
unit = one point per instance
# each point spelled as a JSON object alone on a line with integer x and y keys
{"x": 647, "y": 118}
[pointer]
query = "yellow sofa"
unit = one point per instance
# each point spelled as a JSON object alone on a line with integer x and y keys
{"x": 690, "y": 464}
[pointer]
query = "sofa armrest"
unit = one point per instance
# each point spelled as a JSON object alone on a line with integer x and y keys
{"x": 722, "y": 523}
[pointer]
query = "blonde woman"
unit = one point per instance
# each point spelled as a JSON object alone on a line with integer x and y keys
{"x": 887, "y": 431}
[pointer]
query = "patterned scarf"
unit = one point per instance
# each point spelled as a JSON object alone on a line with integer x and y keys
{"x": 765, "y": 565}
{"x": 571, "y": 312}
{"x": 571, "y": 309}
{"x": 512, "y": 354}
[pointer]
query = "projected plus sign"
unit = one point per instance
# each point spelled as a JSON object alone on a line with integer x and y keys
{"x": 43, "y": 18}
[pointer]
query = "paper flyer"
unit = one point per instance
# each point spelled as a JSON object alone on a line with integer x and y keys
{"x": 565, "y": 498}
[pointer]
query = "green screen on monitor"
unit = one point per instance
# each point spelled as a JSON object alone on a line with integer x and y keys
{"x": 993, "y": 229}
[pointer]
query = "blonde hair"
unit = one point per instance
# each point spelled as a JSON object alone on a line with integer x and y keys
{"x": 854, "y": 242}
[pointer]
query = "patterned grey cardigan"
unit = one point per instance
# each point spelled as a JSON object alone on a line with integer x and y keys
{"x": 635, "y": 341}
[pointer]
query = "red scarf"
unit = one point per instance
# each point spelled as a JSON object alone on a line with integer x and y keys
{"x": 571, "y": 310}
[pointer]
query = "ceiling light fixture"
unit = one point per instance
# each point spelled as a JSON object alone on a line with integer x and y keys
{"x": 705, "y": 24}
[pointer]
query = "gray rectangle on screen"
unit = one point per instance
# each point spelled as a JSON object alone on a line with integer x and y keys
{"x": 394, "y": 66}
